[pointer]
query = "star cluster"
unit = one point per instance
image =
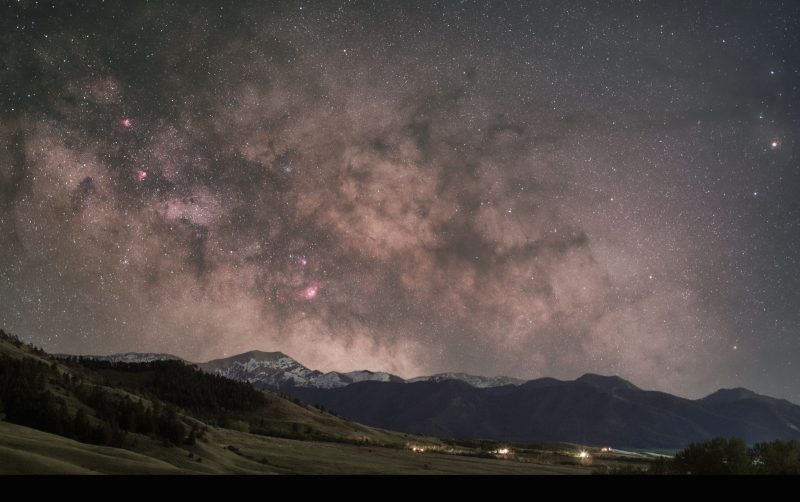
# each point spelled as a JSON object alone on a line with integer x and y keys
{"x": 528, "y": 189}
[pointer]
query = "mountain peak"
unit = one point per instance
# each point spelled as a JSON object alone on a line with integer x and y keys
{"x": 725, "y": 396}
{"x": 608, "y": 383}
{"x": 274, "y": 369}
{"x": 277, "y": 370}
{"x": 261, "y": 355}
{"x": 257, "y": 355}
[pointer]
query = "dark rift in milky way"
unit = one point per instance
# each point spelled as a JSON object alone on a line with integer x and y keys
{"x": 524, "y": 190}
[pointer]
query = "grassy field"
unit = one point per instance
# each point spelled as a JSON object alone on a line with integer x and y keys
{"x": 289, "y": 456}
{"x": 28, "y": 451}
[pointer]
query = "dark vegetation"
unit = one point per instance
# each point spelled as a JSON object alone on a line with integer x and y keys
{"x": 179, "y": 383}
{"x": 33, "y": 394}
{"x": 724, "y": 456}
{"x": 79, "y": 405}
{"x": 732, "y": 456}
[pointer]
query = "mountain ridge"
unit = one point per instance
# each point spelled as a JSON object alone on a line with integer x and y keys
{"x": 333, "y": 379}
{"x": 126, "y": 357}
{"x": 575, "y": 410}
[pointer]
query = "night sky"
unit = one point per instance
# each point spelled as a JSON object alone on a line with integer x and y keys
{"x": 518, "y": 188}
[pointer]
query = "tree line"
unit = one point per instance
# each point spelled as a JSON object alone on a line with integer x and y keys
{"x": 28, "y": 397}
{"x": 35, "y": 393}
{"x": 733, "y": 456}
{"x": 178, "y": 383}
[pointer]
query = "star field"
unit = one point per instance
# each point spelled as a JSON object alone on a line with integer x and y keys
{"x": 519, "y": 188}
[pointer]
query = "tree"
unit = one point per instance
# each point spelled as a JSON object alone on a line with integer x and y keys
{"x": 777, "y": 457}
{"x": 718, "y": 456}
{"x": 191, "y": 439}
{"x": 81, "y": 425}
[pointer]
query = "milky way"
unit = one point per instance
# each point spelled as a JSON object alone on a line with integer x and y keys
{"x": 544, "y": 189}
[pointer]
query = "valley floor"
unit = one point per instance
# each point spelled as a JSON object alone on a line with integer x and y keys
{"x": 28, "y": 451}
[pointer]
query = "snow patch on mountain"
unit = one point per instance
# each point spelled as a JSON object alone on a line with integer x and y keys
{"x": 474, "y": 380}
{"x": 376, "y": 376}
{"x": 265, "y": 369}
{"x": 277, "y": 370}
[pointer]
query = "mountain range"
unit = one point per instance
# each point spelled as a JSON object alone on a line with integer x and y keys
{"x": 277, "y": 371}
{"x": 593, "y": 409}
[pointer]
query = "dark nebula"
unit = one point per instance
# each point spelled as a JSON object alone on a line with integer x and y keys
{"x": 529, "y": 189}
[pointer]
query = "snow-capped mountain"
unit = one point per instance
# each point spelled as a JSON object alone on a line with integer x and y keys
{"x": 335, "y": 379}
{"x": 474, "y": 380}
{"x": 270, "y": 369}
{"x": 127, "y": 357}
{"x": 277, "y": 370}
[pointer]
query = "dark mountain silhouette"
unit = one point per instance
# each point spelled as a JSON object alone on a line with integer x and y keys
{"x": 725, "y": 396}
{"x": 593, "y": 409}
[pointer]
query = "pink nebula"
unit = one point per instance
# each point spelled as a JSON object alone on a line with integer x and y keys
{"x": 141, "y": 175}
{"x": 126, "y": 122}
{"x": 309, "y": 292}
